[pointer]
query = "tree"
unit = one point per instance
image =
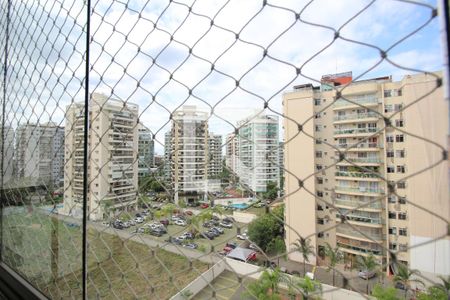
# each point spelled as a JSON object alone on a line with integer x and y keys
{"x": 264, "y": 229}
{"x": 107, "y": 205}
{"x": 266, "y": 287}
{"x": 334, "y": 256}
{"x": 305, "y": 248}
{"x": 276, "y": 247}
{"x": 308, "y": 286}
{"x": 405, "y": 276}
{"x": 271, "y": 191}
{"x": 444, "y": 285}
{"x": 369, "y": 264}
{"x": 388, "y": 293}
{"x": 433, "y": 293}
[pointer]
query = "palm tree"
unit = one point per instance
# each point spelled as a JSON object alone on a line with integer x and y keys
{"x": 305, "y": 248}
{"x": 260, "y": 289}
{"x": 334, "y": 256}
{"x": 404, "y": 276}
{"x": 272, "y": 279}
{"x": 369, "y": 264}
{"x": 307, "y": 286}
{"x": 445, "y": 285}
{"x": 384, "y": 293}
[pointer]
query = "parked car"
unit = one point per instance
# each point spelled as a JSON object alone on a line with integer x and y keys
{"x": 227, "y": 249}
{"x": 207, "y": 224}
{"x": 139, "y": 220}
{"x": 165, "y": 222}
{"x": 180, "y": 222}
{"x": 204, "y": 205}
{"x": 191, "y": 245}
{"x": 214, "y": 233}
{"x": 118, "y": 225}
{"x": 218, "y": 229}
{"x": 138, "y": 215}
{"x": 126, "y": 224}
{"x": 207, "y": 235}
{"x": 365, "y": 274}
{"x": 132, "y": 223}
{"x": 226, "y": 224}
{"x": 140, "y": 230}
{"x": 242, "y": 236}
{"x": 253, "y": 247}
{"x": 228, "y": 220}
{"x": 231, "y": 245}
{"x": 156, "y": 232}
{"x": 188, "y": 235}
{"x": 188, "y": 212}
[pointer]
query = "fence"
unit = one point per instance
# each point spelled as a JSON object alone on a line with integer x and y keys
{"x": 119, "y": 117}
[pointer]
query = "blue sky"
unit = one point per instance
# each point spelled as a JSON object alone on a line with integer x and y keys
{"x": 133, "y": 45}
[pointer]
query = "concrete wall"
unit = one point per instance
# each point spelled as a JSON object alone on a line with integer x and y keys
{"x": 243, "y": 217}
{"x": 202, "y": 281}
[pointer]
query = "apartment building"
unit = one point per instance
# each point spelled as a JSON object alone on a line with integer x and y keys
{"x": 215, "y": 155}
{"x": 113, "y": 162}
{"x": 362, "y": 157}
{"x": 146, "y": 151}
{"x": 187, "y": 151}
{"x": 232, "y": 152}
{"x": 258, "y": 154}
{"x": 39, "y": 155}
{"x": 8, "y": 155}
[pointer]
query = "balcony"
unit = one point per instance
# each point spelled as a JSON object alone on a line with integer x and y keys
{"x": 360, "y": 147}
{"x": 357, "y": 101}
{"x": 349, "y": 132}
{"x": 350, "y": 204}
{"x": 362, "y": 176}
{"x": 363, "y": 191}
{"x": 363, "y": 235}
{"x": 352, "y": 118}
{"x": 358, "y": 250}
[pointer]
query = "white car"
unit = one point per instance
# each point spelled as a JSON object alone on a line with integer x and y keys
{"x": 180, "y": 222}
{"x": 226, "y": 224}
{"x": 242, "y": 236}
{"x": 139, "y": 220}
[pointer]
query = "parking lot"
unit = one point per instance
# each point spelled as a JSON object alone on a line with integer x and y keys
{"x": 151, "y": 227}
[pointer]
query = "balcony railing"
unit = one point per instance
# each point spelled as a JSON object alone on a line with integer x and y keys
{"x": 355, "y": 233}
{"x": 354, "y": 203}
{"x": 360, "y": 189}
{"x": 355, "y": 131}
{"x": 363, "y": 100}
{"x": 357, "y": 174}
{"x": 356, "y": 116}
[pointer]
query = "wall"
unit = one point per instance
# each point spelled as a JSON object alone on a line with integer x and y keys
{"x": 243, "y": 217}
{"x": 202, "y": 281}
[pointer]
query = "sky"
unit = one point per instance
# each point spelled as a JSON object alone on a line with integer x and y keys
{"x": 226, "y": 57}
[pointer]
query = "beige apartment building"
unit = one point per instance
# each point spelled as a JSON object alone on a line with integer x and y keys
{"x": 113, "y": 163}
{"x": 364, "y": 172}
{"x": 232, "y": 152}
{"x": 215, "y": 155}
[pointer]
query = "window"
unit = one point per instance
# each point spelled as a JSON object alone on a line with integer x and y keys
{"x": 390, "y": 169}
{"x": 399, "y": 123}
{"x": 319, "y": 180}
{"x": 400, "y": 169}
{"x": 400, "y": 153}
{"x": 318, "y": 128}
{"x": 401, "y": 200}
{"x": 401, "y": 184}
{"x": 391, "y": 199}
{"x": 320, "y": 235}
{"x": 398, "y": 107}
{"x": 393, "y": 246}
{"x": 317, "y": 116}
{"x": 389, "y": 138}
{"x": 390, "y": 153}
{"x": 319, "y": 207}
{"x": 399, "y": 138}
{"x": 318, "y": 167}
{"x": 392, "y": 215}
{"x": 388, "y": 108}
{"x": 403, "y": 247}
{"x": 403, "y": 231}
{"x": 393, "y": 230}
{"x": 319, "y": 194}
{"x": 318, "y": 154}
{"x": 316, "y": 102}
{"x": 402, "y": 216}
{"x": 318, "y": 141}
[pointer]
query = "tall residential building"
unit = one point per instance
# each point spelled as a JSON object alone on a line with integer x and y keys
{"x": 146, "y": 151}
{"x": 355, "y": 139}
{"x": 40, "y": 154}
{"x": 215, "y": 155}
{"x": 168, "y": 148}
{"x": 258, "y": 153}
{"x": 113, "y": 163}
{"x": 189, "y": 152}
{"x": 232, "y": 152}
{"x": 8, "y": 155}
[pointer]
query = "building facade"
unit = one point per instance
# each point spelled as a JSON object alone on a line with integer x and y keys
{"x": 146, "y": 151}
{"x": 8, "y": 155}
{"x": 39, "y": 155}
{"x": 187, "y": 152}
{"x": 215, "y": 155}
{"x": 232, "y": 152}
{"x": 258, "y": 154}
{"x": 113, "y": 163}
{"x": 359, "y": 150}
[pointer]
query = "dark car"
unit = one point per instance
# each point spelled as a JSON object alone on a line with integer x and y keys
{"x": 189, "y": 235}
{"x": 207, "y": 224}
{"x": 214, "y": 233}
{"x": 165, "y": 222}
{"x": 138, "y": 215}
{"x": 207, "y": 235}
{"x": 231, "y": 245}
{"x": 156, "y": 232}
{"x": 118, "y": 224}
{"x": 217, "y": 229}
{"x": 228, "y": 220}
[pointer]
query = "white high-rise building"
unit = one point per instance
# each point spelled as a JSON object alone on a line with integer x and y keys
{"x": 146, "y": 149}
{"x": 258, "y": 154}
{"x": 113, "y": 162}
{"x": 40, "y": 154}
{"x": 232, "y": 152}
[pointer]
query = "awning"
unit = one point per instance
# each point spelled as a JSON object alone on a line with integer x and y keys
{"x": 242, "y": 254}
